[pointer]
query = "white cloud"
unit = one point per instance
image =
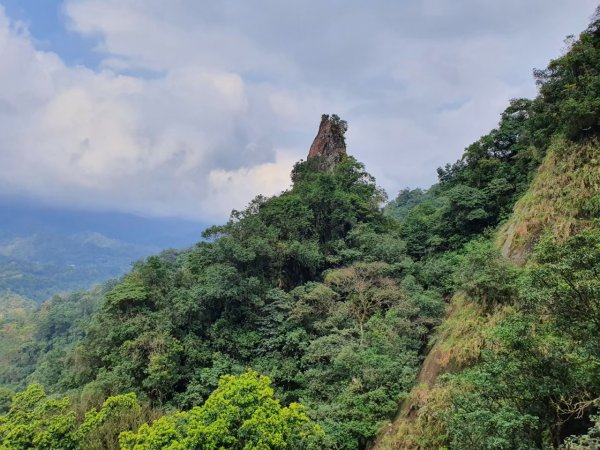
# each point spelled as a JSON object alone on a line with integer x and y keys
{"x": 152, "y": 146}
{"x": 199, "y": 106}
{"x": 229, "y": 187}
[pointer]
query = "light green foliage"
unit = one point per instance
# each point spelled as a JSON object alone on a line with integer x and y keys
{"x": 34, "y": 343}
{"x": 241, "y": 413}
{"x": 36, "y": 421}
{"x": 16, "y": 331}
{"x": 101, "y": 428}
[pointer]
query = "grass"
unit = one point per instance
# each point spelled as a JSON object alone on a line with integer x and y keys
{"x": 563, "y": 199}
{"x": 421, "y": 421}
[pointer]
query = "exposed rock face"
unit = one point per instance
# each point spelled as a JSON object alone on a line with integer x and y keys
{"x": 330, "y": 143}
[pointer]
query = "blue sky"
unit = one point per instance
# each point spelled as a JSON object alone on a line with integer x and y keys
{"x": 47, "y": 24}
{"x": 190, "y": 108}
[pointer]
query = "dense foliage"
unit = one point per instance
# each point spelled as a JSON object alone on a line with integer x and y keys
{"x": 475, "y": 193}
{"x": 36, "y": 339}
{"x": 312, "y": 287}
{"x": 478, "y": 191}
{"x": 538, "y": 380}
{"x": 569, "y": 100}
{"x": 240, "y": 414}
{"x": 334, "y": 298}
{"x": 35, "y": 420}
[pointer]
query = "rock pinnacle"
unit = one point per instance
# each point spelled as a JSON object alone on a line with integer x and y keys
{"x": 330, "y": 143}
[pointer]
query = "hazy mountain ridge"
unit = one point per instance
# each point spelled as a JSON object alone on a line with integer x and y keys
{"x": 44, "y": 251}
{"x": 40, "y": 265}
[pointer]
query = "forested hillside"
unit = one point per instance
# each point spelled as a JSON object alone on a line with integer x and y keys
{"x": 516, "y": 365}
{"x": 470, "y": 311}
{"x": 46, "y": 251}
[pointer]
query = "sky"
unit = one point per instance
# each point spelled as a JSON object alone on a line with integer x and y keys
{"x": 188, "y": 108}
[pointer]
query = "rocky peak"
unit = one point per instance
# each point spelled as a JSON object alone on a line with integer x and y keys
{"x": 330, "y": 143}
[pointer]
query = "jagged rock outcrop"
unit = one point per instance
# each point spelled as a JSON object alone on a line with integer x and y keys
{"x": 330, "y": 143}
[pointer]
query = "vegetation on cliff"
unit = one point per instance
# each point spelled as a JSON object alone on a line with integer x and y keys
{"x": 524, "y": 371}
{"x": 303, "y": 321}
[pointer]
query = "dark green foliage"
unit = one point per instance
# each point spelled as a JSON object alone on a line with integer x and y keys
{"x": 539, "y": 376}
{"x": 312, "y": 287}
{"x": 569, "y": 100}
{"x": 406, "y": 200}
{"x": 475, "y": 193}
{"x": 334, "y": 299}
{"x": 589, "y": 440}
{"x": 485, "y": 276}
{"x": 479, "y": 190}
{"x": 565, "y": 284}
{"x": 480, "y": 422}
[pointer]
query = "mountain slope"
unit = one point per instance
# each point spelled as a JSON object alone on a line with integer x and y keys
{"x": 40, "y": 265}
{"x": 515, "y": 365}
{"x": 312, "y": 288}
{"x": 349, "y": 312}
{"x": 563, "y": 199}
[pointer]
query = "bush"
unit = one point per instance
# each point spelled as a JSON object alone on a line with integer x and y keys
{"x": 486, "y": 276}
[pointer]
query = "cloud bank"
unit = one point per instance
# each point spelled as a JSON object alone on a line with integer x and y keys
{"x": 198, "y": 106}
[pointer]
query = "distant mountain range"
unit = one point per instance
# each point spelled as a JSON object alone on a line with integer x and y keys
{"x": 44, "y": 251}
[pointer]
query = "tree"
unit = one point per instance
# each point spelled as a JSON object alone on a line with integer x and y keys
{"x": 366, "y": 288}
{"x": 241, "y": 413}
{"x": 36, "y": 421}
{"x": 566, "y": 284}
{"x": 569, "y": 100}
{"x": 101, "y": 428}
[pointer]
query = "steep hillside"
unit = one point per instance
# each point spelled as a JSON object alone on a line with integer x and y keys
{"x": 312, "y": 288}
{"x": 563, "y": 199}
{"x": 516, "y": 363}
{"x": 312, "y": 317}
{"x": 561, "y": 202}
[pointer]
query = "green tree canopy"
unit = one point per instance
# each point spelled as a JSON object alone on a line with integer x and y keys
{"x": 241, "y": 413}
